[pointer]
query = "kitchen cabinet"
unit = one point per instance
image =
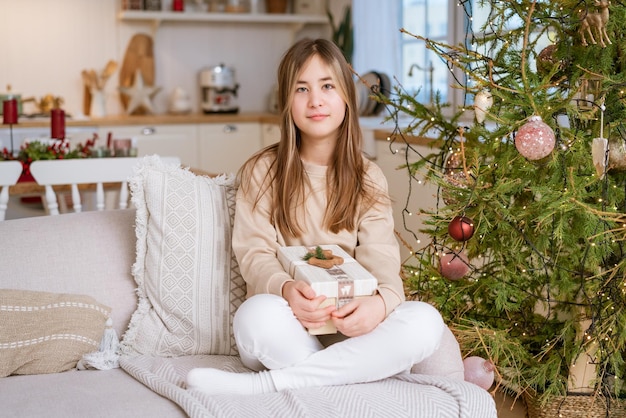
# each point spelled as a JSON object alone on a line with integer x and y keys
{"x": 270, "y": 133}
{"x": 390, "y": 157}
{"x": 214, "y": 143}
{"x": 224, "y": 147}
{"x": 178, "y": 140}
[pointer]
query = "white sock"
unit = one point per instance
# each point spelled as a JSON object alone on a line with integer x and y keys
{"x": 219, "y": 382}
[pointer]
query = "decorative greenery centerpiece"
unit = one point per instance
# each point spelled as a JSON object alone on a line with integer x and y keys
{"x": 49, "y": 150}
{"x": 527, "y": 260}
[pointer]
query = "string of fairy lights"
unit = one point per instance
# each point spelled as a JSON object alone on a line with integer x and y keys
{"x": 609, "y": 233}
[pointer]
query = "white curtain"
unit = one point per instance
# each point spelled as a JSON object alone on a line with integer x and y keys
{"x": 377, "y": 36}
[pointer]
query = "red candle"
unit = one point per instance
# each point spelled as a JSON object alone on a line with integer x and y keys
{"x": 9, "y": 111}
{"x": 57, "y": 124}
{"x": 178, "y": 5}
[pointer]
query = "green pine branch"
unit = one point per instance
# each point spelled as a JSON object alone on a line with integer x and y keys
{"x": 547, "y": 276}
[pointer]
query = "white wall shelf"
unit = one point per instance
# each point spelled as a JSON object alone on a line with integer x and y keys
{"x": 157, "y": 18}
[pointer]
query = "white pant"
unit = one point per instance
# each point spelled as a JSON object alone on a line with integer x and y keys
{"x": 269, "y": 336}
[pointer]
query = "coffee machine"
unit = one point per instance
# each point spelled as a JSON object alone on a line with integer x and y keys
{"x": 219, "y": 90}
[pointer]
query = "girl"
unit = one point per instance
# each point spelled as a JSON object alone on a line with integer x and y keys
{"x": 315, "y": 187}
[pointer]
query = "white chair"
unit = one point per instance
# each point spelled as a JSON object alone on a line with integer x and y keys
{"x": 75, "y": 172}
{"x": 10, "y": 172}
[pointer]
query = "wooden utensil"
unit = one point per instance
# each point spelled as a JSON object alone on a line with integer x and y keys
{"x": 93, "y": 82}
{"x": 86, "y": 92}
{"x": 108, "y": 71}
{"x": 139, "y": 56}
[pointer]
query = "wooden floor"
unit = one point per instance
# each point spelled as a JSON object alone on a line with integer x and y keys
{"x": 17, "y": 209}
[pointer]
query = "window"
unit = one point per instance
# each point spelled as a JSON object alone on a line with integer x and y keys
{"x": 380, "y": 46}
{"x": 422, "y": 72}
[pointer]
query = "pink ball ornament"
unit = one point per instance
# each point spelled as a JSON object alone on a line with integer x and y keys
{"x": 453, "y": 266}
{"x": 461, "y": 228}
{"x": 479, "y": 371}
{"x": 535, "y": 139}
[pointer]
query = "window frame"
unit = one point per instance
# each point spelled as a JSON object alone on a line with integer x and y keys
{"x": 372, "y": 19}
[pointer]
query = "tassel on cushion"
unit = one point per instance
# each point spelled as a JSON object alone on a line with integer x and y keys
{"x": 107, "y": 356}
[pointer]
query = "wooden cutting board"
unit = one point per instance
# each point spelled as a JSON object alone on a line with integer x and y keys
{"x": 139, "y": 56}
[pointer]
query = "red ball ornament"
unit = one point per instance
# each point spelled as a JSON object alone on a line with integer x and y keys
{"x": 453, "y": 266}
{"x": 461, "y": 228}
{"x": 479, "y": 371}
{"x": 535, "y": 139}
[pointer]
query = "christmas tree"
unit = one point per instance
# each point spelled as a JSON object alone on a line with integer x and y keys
{"x": 527, "y": 260}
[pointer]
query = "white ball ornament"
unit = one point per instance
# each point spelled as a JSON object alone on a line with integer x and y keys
{"x": 479, "y": 371}
{"x": 535, "y": 139}
{"x": 483, "y": 100}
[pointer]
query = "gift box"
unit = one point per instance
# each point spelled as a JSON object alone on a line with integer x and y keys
{"x": 340, "y": 283}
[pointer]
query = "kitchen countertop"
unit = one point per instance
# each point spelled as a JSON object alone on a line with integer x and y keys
{"x": 119, "y": 120}
{"x": 384, "y": 135}
{"x": 194, "y": 118}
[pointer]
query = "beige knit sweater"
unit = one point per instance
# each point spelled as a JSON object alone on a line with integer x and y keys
{"x": 256, "y": 239}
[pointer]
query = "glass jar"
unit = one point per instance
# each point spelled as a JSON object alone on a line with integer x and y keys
{"x": 152, "y": 5}
{"x": 132, "y": 4}
{"x": 237, "y": 6}
{"x": 217, "y": 6}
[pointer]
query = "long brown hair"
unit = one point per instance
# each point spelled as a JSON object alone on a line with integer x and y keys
{"x": 347, "y": 187}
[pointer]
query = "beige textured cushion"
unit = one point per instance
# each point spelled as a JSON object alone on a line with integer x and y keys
{"x": 88, "y": 253}
{"x": 189, "y": 285}
{"x": 43, "y": 332}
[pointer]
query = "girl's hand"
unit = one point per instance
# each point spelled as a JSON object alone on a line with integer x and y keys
{"x": 305, "y": 305}
{"x": 360, "y": 316}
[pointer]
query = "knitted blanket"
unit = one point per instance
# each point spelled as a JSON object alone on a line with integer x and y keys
{"x": 406, "y": 395}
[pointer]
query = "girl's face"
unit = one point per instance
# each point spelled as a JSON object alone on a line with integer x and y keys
{"x": 318, "y": 108}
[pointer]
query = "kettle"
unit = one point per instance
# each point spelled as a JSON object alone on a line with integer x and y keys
{"x": 218, "y": 90}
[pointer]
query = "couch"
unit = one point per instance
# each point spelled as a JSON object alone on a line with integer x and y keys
{"x": 104, "y": 256}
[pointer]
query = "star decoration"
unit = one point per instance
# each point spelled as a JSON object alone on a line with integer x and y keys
{"x": 140, "y": 95}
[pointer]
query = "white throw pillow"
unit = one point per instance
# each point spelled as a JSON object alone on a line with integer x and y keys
{"x": 189, "y": 284}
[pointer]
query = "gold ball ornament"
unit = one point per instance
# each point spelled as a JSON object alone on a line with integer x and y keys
{"x": 608, "y": 155}
{"x": 455, "y": 175}
{"x": 546, "y": 61}
{"x": 617, "y": 155}
{"x": 453, "y": 170}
